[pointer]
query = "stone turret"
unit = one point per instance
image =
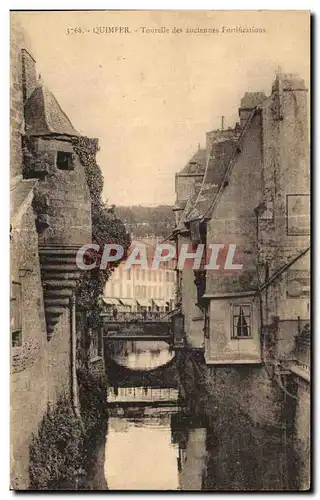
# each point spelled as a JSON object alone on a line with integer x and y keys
{"x": 61, "y": 201}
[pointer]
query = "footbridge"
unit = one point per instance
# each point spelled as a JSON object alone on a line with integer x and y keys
{"x": 137, "y": 328}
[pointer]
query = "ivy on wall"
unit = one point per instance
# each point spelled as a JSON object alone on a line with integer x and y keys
{"x": 106, "y": 228}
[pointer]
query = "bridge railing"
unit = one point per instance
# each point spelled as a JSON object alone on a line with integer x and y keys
{"x": 126, "y": 317}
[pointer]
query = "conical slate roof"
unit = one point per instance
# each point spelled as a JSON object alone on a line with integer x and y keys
{"x": 44, "y": 115}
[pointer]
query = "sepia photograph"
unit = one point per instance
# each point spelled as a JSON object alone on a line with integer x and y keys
{"x": 160, "y": 250}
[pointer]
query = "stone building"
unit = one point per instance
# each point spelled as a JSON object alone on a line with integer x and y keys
{"x": 50, "y": 219}
{"x": 137, "y": 290}
{"x": 254, "y": 196}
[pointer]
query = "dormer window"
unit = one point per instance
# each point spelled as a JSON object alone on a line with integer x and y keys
{"x": 65, "y": 161}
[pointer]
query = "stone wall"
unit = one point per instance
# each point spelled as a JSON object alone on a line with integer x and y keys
{"x": 286, "y": 174}
{"x": 29, "y": 381}
{"x": 18, "y": 41}
{"x": 302, "y": 432}
{"x": 250, "y": 389}
{"x": 59, "y": 349}
{"x": 68, "y": 196}
{"x": 40, "y": 369}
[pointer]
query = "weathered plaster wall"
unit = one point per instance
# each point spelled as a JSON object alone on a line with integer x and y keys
{"x": 220, "y": 346}
{"x": 233, "y": 220}
{"x": 193, "y": 315}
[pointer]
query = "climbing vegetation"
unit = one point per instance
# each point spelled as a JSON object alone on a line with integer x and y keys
{"x": 106, "y": 228}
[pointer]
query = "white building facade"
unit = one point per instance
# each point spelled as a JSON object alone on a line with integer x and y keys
{"x": 137, "y": 289}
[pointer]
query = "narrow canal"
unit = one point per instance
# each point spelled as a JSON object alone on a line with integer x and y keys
{"x": 155, "y": 440}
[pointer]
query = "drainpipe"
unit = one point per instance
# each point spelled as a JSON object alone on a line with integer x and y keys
{"x": 74, "y": 382}
{"x": 257, "y": 212}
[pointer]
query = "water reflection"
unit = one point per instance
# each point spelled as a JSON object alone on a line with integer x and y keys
{"x": 140, "y": 454}
{"x": 158, "y": 441}
{"x": 140, "y": 355}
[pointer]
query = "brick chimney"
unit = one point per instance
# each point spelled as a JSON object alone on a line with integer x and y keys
{"x": 29, "y": 74}
{"x": 249, "y": 101}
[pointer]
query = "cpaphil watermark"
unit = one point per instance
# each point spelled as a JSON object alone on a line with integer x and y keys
{"x": 213, "y": 257}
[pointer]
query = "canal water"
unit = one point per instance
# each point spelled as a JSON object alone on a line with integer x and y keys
{"x": 154, "y": 441}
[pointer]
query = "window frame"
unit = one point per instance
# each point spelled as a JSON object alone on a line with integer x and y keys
{"x": 67, "y": 164}
{"x": 233, "y": 326}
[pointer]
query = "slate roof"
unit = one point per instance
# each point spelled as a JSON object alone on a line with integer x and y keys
{"x": 218, "y": 169}
{"x": 196, "y": 164}
{"x": 44, "y": 115}
{"x": 222, "y": 151}
{"x": 252, "y": 99}
{"x": 189, "y": 205}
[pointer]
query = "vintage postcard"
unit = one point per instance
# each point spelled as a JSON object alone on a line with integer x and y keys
{"x": 160, "y": 250}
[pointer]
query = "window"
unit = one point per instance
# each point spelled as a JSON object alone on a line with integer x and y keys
{"x": 298, "y": 214}
{"x": 129, "y": 274}
{"x": 16, "y": 314}
{"x": 241, "y": 321}
{"x": 128, "y": 291}
{"x": 143, "y": 275}
{"x": 65, "y": 161}
{"x": 137, "y": 274}
{"x": 94, "y": 344}
{"x": 100, "y": 343}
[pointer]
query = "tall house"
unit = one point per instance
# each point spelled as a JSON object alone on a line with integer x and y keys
{"x": 248, "y": 314}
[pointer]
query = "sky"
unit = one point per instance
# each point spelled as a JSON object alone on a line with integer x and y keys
{"x": 150, "y": 97}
